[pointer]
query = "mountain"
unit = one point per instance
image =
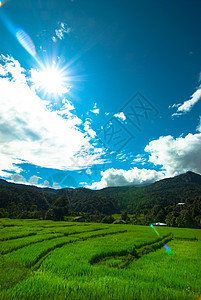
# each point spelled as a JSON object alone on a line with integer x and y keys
{"x": 19, "y": 200}
{"x": 25, "y": 186}
{"x": 186, "y": 178}
{"x": 164, "y": 192}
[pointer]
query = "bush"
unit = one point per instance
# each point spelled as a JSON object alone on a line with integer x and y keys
{"x": 108, "y": 220}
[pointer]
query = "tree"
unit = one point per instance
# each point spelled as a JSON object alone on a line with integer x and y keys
{"x": 108, "y": 219}
{"x": 50, "y": 215}
{"x": 125, "y": 217}
{"x": 3, "y": 213}
{"x": 184, "y": 219}
{"x": 198, "y": 221}
{"x": 60, "y": 208}
{"x": 161, "y": 215}
{"x": 171, "y": 219}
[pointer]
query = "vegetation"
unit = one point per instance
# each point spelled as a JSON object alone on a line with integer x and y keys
{"x": 157, "y": 202}
{"x": 68, "y": 260}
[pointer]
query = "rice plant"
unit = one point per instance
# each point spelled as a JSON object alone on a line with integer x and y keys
{"x": 64, "y": 260}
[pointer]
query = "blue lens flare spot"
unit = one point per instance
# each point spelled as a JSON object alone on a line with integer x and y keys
{"x": 168, "y": 250}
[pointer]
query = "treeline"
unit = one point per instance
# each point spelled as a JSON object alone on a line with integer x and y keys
{"x": 19, "y": 202}
{"x": 176, "y": 215}
{"x": 157, "y": 202}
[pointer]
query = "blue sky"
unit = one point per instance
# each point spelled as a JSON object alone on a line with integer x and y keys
{"x": 99, "y": 93}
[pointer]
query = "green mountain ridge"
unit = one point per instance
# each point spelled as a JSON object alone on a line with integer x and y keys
{"x": 156, "y": 201}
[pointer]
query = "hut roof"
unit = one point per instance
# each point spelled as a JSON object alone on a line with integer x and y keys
{"x": 159, "y": 224}
{"x": 119, "y": 222}
{"x": 78, "y": 218}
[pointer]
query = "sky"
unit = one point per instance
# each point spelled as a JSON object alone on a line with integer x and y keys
{"x": 99, "y": 93}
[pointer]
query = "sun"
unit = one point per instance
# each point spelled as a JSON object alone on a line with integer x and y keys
{"x": 51, "y": 80}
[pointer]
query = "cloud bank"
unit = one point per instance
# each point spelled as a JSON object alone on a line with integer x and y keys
{"x": 171, "y": 156}
{"x": 176, "y": 155}
{"x": 120, "y": 177}
{"x": 33, "y": 133}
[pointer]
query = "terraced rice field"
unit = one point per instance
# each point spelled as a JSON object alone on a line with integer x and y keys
{"x": 66, "y": 260}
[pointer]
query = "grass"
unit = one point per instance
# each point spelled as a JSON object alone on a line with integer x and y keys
{"x": 66, "y": 260}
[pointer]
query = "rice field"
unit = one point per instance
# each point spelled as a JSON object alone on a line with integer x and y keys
{"x": 67, "y": 260}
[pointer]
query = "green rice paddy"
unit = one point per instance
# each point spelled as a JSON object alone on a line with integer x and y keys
{"x": 67, "y": 260}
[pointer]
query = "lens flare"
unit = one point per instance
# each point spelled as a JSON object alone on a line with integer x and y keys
{"x": 2, "y": 2}
{"x": 25, "y": 40}
{"x": 168, "y": 250}
{"x": 22, "y": 37}
{"x": 155, "y": 230}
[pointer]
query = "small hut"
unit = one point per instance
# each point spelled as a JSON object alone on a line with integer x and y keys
{"x": 159, "y": 224}
{"x": 79, "y": 219}
{"x": 119, "y": 222}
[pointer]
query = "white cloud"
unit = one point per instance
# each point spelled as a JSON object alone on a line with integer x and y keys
{"x": 120, "y": 177}
{"x": 34, "y": 180}
{"x": 122, "y": 156}
{"x": 32, "y": 133}
{"x": 84, "y": 183}
{"x": 95, "y": 110}
{"x": 56, "y": 186}
{"x": 120, "y": 116}
{"x": 18, "y": 178}
{"x": 88, "y": 171}
{"x": 8, "y": 163}
{"x": 139, "y": 159}
{"x": 54, "y": 39}
{"x": 65, "y": 113}
{"x": 61, "y": 30}
{"x": 199, "y": 126}
{"x": 46, "y": 183}
{"x": 187, "y": 105}
{"x": 172, "y": 155}
{"x": 178, "y": 155}
{"x": 88, "y": 129}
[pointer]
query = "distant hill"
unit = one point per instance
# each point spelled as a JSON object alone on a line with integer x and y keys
{"x": 188, "y": 177}
{"x": 25, "y": 186}
{"x": 19, "y": 200}
{"x": 164, "y": 192}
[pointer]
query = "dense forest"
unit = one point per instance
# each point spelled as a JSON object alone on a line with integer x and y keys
{"x": 175, "y": 201}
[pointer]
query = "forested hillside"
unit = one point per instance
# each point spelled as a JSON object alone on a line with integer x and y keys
{"x": 158, "y": 202}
